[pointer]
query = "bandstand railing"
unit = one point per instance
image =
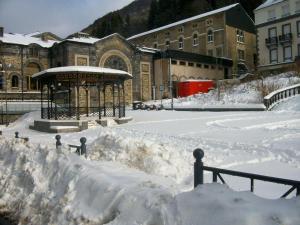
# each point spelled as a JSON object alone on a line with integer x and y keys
{"x": 73, "y": 113}
{"x": 276, "y": 96}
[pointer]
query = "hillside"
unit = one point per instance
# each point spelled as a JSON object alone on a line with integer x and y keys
{"x": 142, "y": 15}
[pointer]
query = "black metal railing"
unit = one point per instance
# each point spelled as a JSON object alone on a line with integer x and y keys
{"x": 80, "y": 149}
{"x": 284, "y": 38}
{"x": 199, "y": 169}
{"x": 276, "y": 96}
{"x": 271, "y": 41}
{"x": 60, "y": 113}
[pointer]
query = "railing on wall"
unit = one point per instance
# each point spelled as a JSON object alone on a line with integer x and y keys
{"x": 199, "y": 169}
{"x": 276, "y": 96}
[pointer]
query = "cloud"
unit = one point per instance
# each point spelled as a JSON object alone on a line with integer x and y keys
{"x": 61, "y": 17}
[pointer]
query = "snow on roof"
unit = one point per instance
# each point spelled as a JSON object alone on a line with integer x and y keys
{"x": 148, "y": 50}
{"x": 268, "y": 3}
{"x": 88, "y": 40}
{"x": 83, "y": 69}
{"x": 25, "y": 39}
{"x": 185, "y": 21}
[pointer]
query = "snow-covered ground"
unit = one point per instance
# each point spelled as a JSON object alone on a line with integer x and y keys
{"x": 249, "y": 94}
{"x": 141, "y": 173}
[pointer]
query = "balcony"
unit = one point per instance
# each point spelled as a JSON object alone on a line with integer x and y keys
{"x": 272, "y": 41}
{"x": 285, "y": 38}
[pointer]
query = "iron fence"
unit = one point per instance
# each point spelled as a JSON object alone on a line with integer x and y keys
{"x": 199, "y": 169}
{"x": 276, "y": 96}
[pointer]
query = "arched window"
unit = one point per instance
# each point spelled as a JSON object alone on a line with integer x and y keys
{"x": 15, "y": 81}
{"x": 116, "y": 62}
{"x": 210, "y": 36}
{"x": 180, "y": 43}
{"x": 195, "y": 39}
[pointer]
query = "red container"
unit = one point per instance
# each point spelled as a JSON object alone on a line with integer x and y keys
{"x": 191, "y": 87}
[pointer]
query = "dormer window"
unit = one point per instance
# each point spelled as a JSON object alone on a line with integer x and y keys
{"x": 285, "y": 10}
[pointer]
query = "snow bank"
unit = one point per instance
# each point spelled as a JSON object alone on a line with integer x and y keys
{"x": 43, "y": 186}
{"x": 145, "y": 155}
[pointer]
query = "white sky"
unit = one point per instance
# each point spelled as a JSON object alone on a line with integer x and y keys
{"x": 62, "y": 17}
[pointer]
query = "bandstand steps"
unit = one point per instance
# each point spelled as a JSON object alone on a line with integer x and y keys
{"x": 92, "y": 123}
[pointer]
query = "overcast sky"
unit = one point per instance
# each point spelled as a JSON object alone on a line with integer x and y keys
{"x": 62, "y": 17}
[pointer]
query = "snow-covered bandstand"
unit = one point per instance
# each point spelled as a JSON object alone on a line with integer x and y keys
{"x": 80, "y": 93}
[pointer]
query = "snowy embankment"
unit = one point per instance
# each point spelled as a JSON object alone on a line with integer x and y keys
{"x": 249, "y": 94}
{"x": 44, "y": 186}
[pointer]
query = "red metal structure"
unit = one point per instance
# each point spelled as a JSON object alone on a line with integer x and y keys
{"x": 191, "y": 87}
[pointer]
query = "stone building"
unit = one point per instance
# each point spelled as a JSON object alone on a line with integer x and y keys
{"x": 227, "y": 32}
{"x": 278, "y": 34}
{"x": 24, "y": 55}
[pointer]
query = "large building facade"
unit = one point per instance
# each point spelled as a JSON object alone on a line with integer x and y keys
{"x": 278, "y": 34}
{"x": 228, "y": 32}
{"x": 212, "y": 46}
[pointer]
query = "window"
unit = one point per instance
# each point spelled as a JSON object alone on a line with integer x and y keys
{"x": 195, "y": 39}
{"x": 287, "y": 53}
{"x": 195, "y": 25}
{"x": 199, "y": 65}
{"x": 33, "y": 52}
{"x": 209, "y": 22}
{"x": 174, "y": 62}
{"x": 180, "y": 43}
{"x": 206, "y": 66}
{"x": 271, "y": 15}
{"x": 167, "y": 34}
{"x": 240, "y": 36}
{"x": 155, "y": 45}
{"x": 167, "y": 43}
{"x": 182, "y": 63}
{"x": 15, "y": 81}
{"x": 191, "y": 64}
{"x": 210, "y": 52}
{"x": 219, "y": 52}
{"x": 285, "y": 10}
{"x": 286, "y": 29}
{"x": 272, "y": 32}
{"x": 273, "y": 55}
{"x": 241, "y": 54}
{"x": 210, "y": 36}
{"x": 297, "y": 7}
{"x": 298, "y": 28}
{"x": 181, "y": 29}
{"x": 213, "y": 67}
{"x": 298, "y": 49}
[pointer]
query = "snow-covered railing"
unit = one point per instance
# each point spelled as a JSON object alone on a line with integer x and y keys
{"x": 280, "y": 94}
{"x": 199, "y": 169}
{"x": 80, "y": 149}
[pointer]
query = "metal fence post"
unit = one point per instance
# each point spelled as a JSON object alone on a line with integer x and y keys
{"x": 16, "y": 134}
{"x": 0, "y": 132}
{"x": 198, "y": 167}
{"x": 58, "y": 142}
{"x": 83, "y": 146}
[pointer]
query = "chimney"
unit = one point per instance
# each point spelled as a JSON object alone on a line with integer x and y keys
{"x": 1, "y": 31}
